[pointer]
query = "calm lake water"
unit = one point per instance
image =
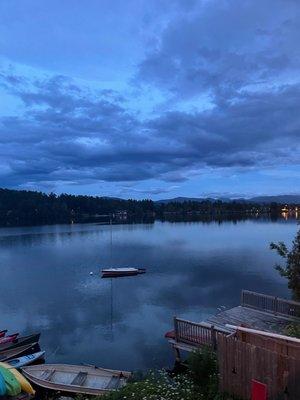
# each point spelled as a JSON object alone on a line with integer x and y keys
{"x": 192, "y": 269}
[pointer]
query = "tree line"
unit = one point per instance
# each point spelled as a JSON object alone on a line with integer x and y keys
{"x": 22, "y": 207}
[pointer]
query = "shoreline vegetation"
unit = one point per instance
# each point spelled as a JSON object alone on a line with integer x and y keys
{"x": 29, "y": 208}
{"x": 196, "y": 379}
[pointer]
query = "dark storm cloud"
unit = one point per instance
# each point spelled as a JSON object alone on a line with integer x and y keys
{"x": 224, "y": 46}
{"x": 68, "y": 133}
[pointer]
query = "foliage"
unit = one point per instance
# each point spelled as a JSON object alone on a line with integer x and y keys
{"x": 291, "y": 270}
{"x": 199, "y": 382}
{"x": 203, "y": 367}
{"x": 292, "y": 329}
{"x": 22, "y": 207}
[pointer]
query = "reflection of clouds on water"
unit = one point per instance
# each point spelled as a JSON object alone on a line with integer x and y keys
{"x": 191, "y": 270}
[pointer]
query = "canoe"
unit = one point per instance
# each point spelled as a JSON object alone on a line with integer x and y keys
{"x": 13, "y": 387}
{"x": 25, "y": 385}
{"x": 21, "y": 341}
{"x": 2, "y": 333}
{"x": 2, "y": 386}
{"x": 118, "y": 272}
{"x": 19, "y": 351}
{"x": 76, "y": 378}
{"x": 8, "y": 339}
{"x": 26, "y": 360}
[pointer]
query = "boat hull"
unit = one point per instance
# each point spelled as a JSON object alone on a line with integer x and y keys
{"x": 115, "y": 273}
{"x": 2, "y": 333}
{"x": 19, "y": 351}
{"x": 26, "y": 360}
{"x": 20, "y": 342}
{"x": 60, "y": 377}
{"x": 8, "y": 339}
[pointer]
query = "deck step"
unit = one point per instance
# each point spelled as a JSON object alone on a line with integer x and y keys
{"x": 114, "y": 383}
{"x": 79, "y": 379}
{"x": 47, "y": 374}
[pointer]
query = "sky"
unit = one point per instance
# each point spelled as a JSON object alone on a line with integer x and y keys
{"x": 150, "y": 99}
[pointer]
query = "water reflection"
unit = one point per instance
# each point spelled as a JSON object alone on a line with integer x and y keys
{"x": 192, "y": 268}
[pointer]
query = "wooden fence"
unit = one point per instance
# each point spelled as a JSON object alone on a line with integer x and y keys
{"x": 280, "y": 346}
{"x": 240, "y": 362}
{"x": 271, "y": 304}
{"x": 196, "y": 334}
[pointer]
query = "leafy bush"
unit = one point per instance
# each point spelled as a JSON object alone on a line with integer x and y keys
{"x": 203, "y": 367}
{"x": 158, "y": 386}
{"x": 292, "y": 329}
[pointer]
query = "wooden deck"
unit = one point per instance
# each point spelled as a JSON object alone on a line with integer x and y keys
{"x": 250, "y": 318}
{"x": 257, "y": 311}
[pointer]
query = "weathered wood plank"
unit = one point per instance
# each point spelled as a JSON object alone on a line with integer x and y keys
{"x": 240, "y": 362}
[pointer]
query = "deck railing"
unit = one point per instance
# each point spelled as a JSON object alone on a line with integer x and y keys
{"x": 196, "y": 334}
{"x": 270, "y": 304}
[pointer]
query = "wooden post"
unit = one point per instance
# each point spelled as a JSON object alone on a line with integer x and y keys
{"x": 177, "y": 355}
{"x": 213, "y": 337}
{"x": 176, "y": 329}
{"x": 275, "y": 305}
{"x": 242, "y": 298}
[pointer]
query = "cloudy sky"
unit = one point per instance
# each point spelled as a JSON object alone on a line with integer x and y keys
{"x": 150, "y": 98}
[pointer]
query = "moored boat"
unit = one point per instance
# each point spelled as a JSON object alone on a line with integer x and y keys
{"x": 8, "y": 339}
{"x": 13, "y": 387}
{"x": 25, "y": 385}
{"x": 118, "y": 272}
{"x": 2, "y": 333}
{"x": 19, "y": 351}
{"x": 76, "y": 378}
{"x": 26, "y": 360}
{"x": 20, "y": 342}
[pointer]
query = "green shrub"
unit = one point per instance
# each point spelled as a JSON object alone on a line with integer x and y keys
{"x": 158, "y": 386}
{"x": 292, "y": 329}
{"x": 203, "y": 366}
{"x": 199, "y": 382}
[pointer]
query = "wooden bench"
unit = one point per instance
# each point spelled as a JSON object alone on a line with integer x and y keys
{"x": 79, "y": 379}
{"x": 114, "y": 383}
{"x": 47, "y": 374}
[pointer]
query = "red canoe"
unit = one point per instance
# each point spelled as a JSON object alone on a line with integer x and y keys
{"x": 9, "y": 338}
{"x": 2, "y": 333}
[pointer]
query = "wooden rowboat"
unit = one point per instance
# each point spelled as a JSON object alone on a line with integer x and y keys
{"x": 76, "y": 378}
{"x": 117, "y": 272}
{"x": 19, "y": 351}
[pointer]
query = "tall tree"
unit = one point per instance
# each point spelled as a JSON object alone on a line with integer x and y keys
{"x": 291, "y": 270}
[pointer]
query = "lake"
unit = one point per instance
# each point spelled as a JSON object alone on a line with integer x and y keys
{"x": 192, "y": 269}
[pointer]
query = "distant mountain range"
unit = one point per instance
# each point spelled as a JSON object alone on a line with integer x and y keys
{"x": 282, "y": 199}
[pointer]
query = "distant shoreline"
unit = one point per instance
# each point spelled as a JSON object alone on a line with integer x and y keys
{"x": 169, "y": 217}
{"x": 28, "y": 208}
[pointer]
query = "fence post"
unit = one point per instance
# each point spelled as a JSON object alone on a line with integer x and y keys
{"x": 242, "y": 298}
{"x": 213, "y": 337}
{"x": 275, "y": 304}
{"x": 176, "y": 329}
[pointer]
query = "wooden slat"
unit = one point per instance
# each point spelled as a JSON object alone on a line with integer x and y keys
{"x": 114, "y": 383}
{"x": 79, "y": 379}
{"x": 278, "y": 371}
{"x": 271, "y": 304}
{"x": 195, "y": 333}
{"x": 47, "y": 374}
